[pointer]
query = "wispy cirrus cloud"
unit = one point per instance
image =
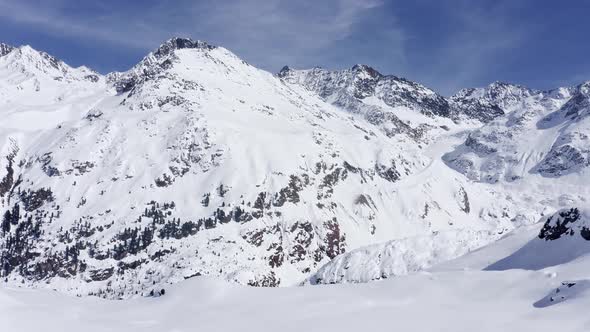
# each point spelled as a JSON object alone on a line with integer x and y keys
{"x": 447, "y": 45}
{"x": 288, "y": 32}
{"x": 63, "y": 18}
{"x": 269, "y": 33}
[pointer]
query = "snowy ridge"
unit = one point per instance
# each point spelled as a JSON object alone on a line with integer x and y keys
{"x": 362, "y": 81}
{"x": 545, "y": 133}
{"x": 397, "y": 106}
{"x": 505, "y": 96}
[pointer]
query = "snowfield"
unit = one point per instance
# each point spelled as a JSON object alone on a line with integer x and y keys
{"x": 457, "y": 296}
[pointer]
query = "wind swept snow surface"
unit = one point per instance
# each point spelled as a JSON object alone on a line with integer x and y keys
{"x": 452, "y": 301}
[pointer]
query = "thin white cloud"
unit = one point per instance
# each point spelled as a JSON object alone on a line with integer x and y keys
{"x": 268, "y": 32}
{"x": 287, "y": 32}
{"x": 54, "y": 19}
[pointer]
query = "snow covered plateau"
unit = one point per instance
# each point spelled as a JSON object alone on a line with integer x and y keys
{"x": 209, "y": 194}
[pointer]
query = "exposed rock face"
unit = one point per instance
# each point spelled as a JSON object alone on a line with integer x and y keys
{"x": 155, "y": 64}
{"x": 5, "y": 49}
{"x": 362, "y": 81}
{"x": 567, "y": 222}
{"x": 497, "y": 99}
{"x": 363, "y": 90}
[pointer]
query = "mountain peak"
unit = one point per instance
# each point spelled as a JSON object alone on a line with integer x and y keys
{"x": 5, "y": 49}
{"x": 177, "y": 43}
{"x": 361, "y": 68}
{"x": 507, "y": 86}
{"x": 40, "y": 60}
{"x": 284, "y": 71}
{"x": 155, "y": 62}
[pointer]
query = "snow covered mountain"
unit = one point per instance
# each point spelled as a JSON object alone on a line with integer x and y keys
{"x": 363, "y": 82}
{"x": 536, "y": 152}
{"x": 194, "y": 162}
{"x": 491, "y": 102}
{"x": 395, "y": 105}
{"x": 543, "y": 132}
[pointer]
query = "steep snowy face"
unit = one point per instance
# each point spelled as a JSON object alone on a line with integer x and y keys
{"x": 493, "y": 101}
{"x": 33, "y": 83}
{"x": 543, "y": 133}
{"x": 197, "y": 163}
{"x": 570, "y": 152}
{"x": 576, "y": 108}
{"x": 395, "y": 104}
{"x": 30, "y": 62}
{"x": 503, "y": 95}
{"x": 361, "y": 82}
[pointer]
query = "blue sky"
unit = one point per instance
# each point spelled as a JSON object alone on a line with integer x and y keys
{"x": 445, "y": 45}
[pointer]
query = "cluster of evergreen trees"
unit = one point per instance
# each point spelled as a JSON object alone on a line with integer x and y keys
{"x": 132, "y": 241}
{"x": 20, "y": 234}
{"x": 10, "y": 218}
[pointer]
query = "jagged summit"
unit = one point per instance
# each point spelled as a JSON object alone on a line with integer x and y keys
{"x": 362, "y": 83}
{"x": 177, "y": 43}
{"x": 43, "y": 61}
{"x": 284, "y": 71}
{"x": 492, "y": 101}
{"x": 156, "y": 62}
{"x": 361, "y": 68}
{"x": 499, "y": 93}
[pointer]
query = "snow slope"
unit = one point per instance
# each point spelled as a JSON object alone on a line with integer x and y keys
{"x": 457, "y": 297}
{"x": 565, "y": 237}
